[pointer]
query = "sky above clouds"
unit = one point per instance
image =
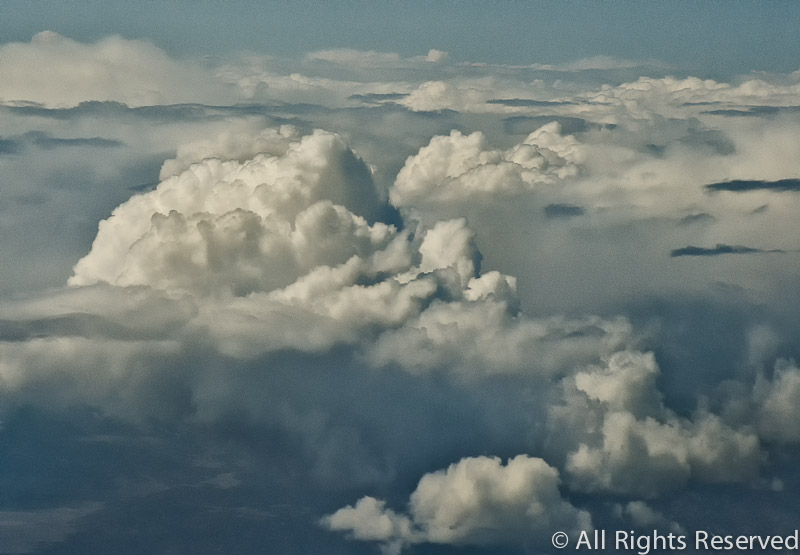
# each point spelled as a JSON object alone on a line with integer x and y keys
{"x": 413, "y": 278}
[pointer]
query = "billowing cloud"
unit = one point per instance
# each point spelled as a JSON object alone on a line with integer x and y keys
{"x": 628, "y": 442}
{"x": 470, "y": 261}
{"x": 776, "y": 403}
{"x": 235, "y": 225}
{"x": 450, "y": 167}
{"x": 476, "y": 501}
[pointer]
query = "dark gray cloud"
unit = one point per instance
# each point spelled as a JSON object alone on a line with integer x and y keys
{"x": 744, "y": 185}
{"x": 754, "y": 111}
{"x": 719, "y": 249}
{"x": 556, "y": 211}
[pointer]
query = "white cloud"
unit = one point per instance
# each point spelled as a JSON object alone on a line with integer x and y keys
{"x": 476, "y": 501}
{"x": 242, "y": 226}
{"x": 57, "y": 71}
{"x": 629, "y": 443}
{"x": 457, "y": 166}
{"x": 436, "y": 56}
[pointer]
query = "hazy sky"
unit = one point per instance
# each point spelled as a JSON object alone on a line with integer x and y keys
{"x": 715, "y": 37}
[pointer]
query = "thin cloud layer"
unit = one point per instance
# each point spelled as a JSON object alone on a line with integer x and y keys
{"x": 54, "y": 70}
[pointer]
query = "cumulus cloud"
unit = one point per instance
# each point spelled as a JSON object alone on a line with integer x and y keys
{"x": 283, "y": 237}
{"x": 230, "y": 224}
{"x": 628, "y": 442}
{"x": 455, "y": 165}
{"x": 343, "y": 312}
{"x": 476, "y": 501}
{"x": 776, "y": 400}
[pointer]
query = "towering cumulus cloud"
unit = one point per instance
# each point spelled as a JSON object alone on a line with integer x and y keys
{"x": 239, "y": 227}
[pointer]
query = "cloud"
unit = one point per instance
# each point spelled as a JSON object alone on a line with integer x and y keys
{"x": 627, "y": 442}
{"x": 476, "y": 501}
{"x": 57, "y": 71}
{"x": 457, "y": 165}
{"x": 755, "y": 111}
{"x": 519, "y": 102}
{"x": 228, "y": 224}
{"x": 436, "y": 56}
{"x": 719, "y": 249}
{"x": 483, "y": 337}
{"x": 25, "y": 531}
{"x": 377, "y": 98}
{"x": 308, "y": 317}
{"x": 741, "y": 186}
{"x": 776, "y": 402}
{"x": 555, "y": 211}
{"x": 12, "y": 145}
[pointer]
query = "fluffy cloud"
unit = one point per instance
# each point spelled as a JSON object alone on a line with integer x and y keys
{"x": 776, "y": 400}
{"x": 267, "y": 316}
{"x": 476, "y": 501}
{"x": 245, "y": 226}
{"x": 457, "y": 165}
{"x": 629, "y": 443}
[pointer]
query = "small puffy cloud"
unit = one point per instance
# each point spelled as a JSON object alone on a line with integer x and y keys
{"x": 436, "y": 56}
{"x": 476, "y": 501}
{"x": 370, "y": 520}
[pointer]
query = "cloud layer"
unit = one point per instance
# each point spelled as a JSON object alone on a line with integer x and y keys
{"x": 359, "y": 297}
